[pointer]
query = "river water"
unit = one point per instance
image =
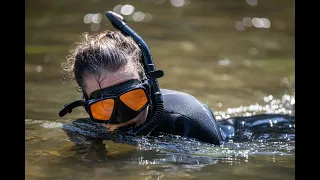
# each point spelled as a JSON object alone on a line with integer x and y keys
{"x": 235, "y": 56}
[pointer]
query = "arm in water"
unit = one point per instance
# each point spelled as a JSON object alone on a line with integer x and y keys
{"x": 257, "y": 126}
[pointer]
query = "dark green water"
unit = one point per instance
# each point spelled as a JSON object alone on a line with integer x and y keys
{"x": 222, "y": 52}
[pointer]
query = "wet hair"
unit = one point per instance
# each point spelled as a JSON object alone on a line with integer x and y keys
{"x": 101, "y": 53}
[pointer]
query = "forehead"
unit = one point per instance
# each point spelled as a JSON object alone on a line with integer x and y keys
{"x": 93, "y": 82}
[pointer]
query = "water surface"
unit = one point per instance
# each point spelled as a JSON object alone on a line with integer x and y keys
{"x": 235, "y": 56}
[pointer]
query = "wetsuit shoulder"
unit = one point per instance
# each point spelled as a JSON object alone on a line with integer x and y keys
{"x": 185, "y": 115}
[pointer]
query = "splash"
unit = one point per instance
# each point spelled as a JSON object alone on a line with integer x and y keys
{"x": 285, "y": 105}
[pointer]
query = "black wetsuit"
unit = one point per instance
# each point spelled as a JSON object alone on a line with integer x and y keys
{"x": 186, "y": 116}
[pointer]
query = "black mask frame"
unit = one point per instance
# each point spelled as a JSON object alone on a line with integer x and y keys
{"x": 121, "y": 113}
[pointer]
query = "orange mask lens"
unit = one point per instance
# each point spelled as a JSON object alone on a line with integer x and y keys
{"x": 135, "y": 99}
{"x": 102, "y": 110}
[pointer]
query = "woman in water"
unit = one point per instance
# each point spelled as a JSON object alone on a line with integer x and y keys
{"x": 120, "y": 92}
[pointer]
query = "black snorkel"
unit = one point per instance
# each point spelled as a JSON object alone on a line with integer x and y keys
{"x": 152, "y": 74}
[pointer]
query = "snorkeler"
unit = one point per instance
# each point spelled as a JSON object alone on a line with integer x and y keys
{"x": 118, "y": 79}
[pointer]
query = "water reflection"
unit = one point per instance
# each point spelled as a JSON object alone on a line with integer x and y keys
{"x": 127, "y": 9}
{"x": 252, "y": 2}
{"x": 179, "y": 3}
{"x": 131, "y": 14}
{"x": 163, "y": 156}
{"x": 285, "y": 105}
{"x": 176, "y": 149}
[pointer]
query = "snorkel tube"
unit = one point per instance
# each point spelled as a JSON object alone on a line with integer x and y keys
{"x": 152, "y": 74}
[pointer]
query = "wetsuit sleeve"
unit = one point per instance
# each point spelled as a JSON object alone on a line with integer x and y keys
{"x": 243, "y": 128}
{"x": 187, "y": 116}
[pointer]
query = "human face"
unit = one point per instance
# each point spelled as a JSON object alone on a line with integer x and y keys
{"x": 93, "y": 83}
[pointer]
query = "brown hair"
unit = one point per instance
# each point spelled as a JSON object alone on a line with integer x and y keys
{"x": 99, "y": 53}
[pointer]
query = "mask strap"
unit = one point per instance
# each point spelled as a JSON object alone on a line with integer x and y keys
{"x": 68, "y": 107}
